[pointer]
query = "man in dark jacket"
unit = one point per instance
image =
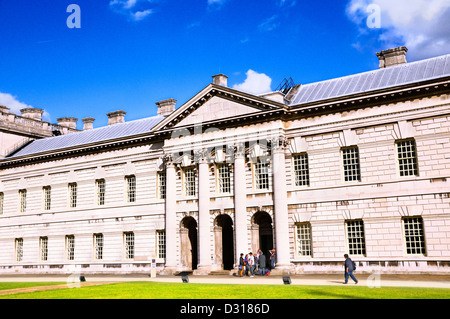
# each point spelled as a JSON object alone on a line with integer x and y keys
{"x": 262, "y": 264}
{"x": 349, "y": 269}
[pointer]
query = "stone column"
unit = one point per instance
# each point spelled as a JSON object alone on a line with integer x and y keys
{"x": 204, "y": 227}
{"x": 171, "y": 218}
{"x": 240, "y": 206}
{"x": 280, "y": 202}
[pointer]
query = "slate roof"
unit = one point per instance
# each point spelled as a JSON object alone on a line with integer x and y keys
{"x": 399, "y": 75}
{"x": 100, "y": 134}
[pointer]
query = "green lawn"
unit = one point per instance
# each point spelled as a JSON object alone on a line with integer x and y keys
{"x": 152, "y": 290}
{"x": 15, "y": 285}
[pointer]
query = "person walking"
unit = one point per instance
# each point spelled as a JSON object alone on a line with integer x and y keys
{"x": 262, "y": 264}
{"x": 349, "y": 268}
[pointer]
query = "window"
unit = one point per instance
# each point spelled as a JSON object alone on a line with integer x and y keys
{"x": 407, "y": 158}
{"x": 73, "y": 195}
{"x": 355, "y": 237}
{"x": 43, "y": 244}
{"x": 70, "y": 247}
{"x": 261, "y": 174}
{"x": 161, "y": 243}
{"x": 19, "y": 249}
{"x": 162, "y": 185}
{"x": 223, "y": 178}
{"x": 189, "y": 182}
{"x": 131, "y": 188}
{"x": 303, "y": 238}
{"x": 301, "y": 169}
{"x": 1, "y": 203}
{"x": 22, "y": 200}
{"x": 414, "y": 236}
{"x": 129, "y": 245}
{"x": 98, "y": 246}
{"x": 47, "y": 197}
{"x": 350, "y": 160}
{"x": 100, "y": 191}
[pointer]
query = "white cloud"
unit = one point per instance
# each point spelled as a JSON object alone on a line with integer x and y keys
{"x": 135, "y": 9}
{"x": 269, "y": 24}
{"x": 423, "y": 26}
{"x": 139, "y": 15}
{"x": 255, "y": 83}
{"x": 15, "y": 105}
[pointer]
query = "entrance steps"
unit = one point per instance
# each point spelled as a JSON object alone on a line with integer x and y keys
{"x": 220, "y": 272}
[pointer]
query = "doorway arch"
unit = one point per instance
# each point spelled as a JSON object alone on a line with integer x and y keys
{"x": 262, "y": 234}
{"x": 224, "y": 241}
{"x": 188, "y": 242}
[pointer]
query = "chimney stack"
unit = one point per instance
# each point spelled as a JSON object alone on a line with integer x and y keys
{"x": 220, "y": 79}
{"x": 392, "y": 57}
{"x": 116, "y": 117}
{"x": 32, "y": 113}
{"x": 70, "y": 122}
{"x": 88, "y": 123}
{"x": 166, "y": 107}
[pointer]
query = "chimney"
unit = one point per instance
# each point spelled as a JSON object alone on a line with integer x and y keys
{"x": 392, "y": 57}
{"x": 88, "y": 123}
{"x": 32, "y": 113}
{"x": 166, "y": 107}
{"x": 220, "y": 79}
{"x": 70, "y": 122}
{"x": 116, "y": 117}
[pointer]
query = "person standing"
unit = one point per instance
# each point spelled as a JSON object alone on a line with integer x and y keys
{"x": 262, "y": 264}
{"x": 251, "y": 264}
{"x": 349, "y": 268}
{"x": 272, "y": 258}
{"x": 241, "y": 265}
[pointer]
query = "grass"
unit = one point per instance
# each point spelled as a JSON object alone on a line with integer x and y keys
{"x": 152, "y": 290}
{"x": 15, "y": 285}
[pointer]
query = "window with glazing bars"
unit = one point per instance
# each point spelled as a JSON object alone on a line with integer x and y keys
{"x": 100, "y": 191}
{"x": 301, "y": 169}
{"x": 162, "y": 185}
{"x": 355, "y": 237}
{"x": 19, "y": 249}
{"x": 189, "y": 182}
{"x": 1, "y": 203}
{"x": 70, "y": 247}
{"x": 303, "y": 233}
{"x": 47, "y": 197}
{"x": 98, "y": 246}
{"x": 350, "y": 160}
{"x": 129, "y": 245}
{"x": 22, "y": 200}
{"x": 131, "y": 188}
{"x": 223, "y": 178}
{"x": 261, "y": 172}
{"x": 407, "y": 158}
{"x": 161, "y": 239}
{"x": 414, "y": 236}
{"x": 73, "y": 188}
{"x": 43, "y": 243}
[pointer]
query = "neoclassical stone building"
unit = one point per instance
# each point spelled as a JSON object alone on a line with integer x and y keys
{"x": 357, "y": 165}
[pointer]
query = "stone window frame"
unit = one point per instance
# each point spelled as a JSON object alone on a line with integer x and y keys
{"x": 414, "y": 238}
{"x": 73, "y": 195}
{"x": 223, "y": 182}
{"x": 43, "y": 248}
{"x": 70, "y": 247}
{"x": 261, "y": 183}
{"x": 99, "y": 244}
{"x": 100, "y": 186}
{"x": 300, "y": 170}
{"x": 349, "y": 173}
{"x": 131, "y": 188}
{"x": 129, "y": 245}
{"x": 161, "y": 244}
{"x": 405, "y": 159}
{"x": 303, "y": 240}
{"x": 161, "y": 185}
{"x": 189, "y": 182}
{"x": 356, "y": 237}
{"x": 19, "y": 249}
{"x": 2, "y": 202}
{"x": 22, "y": 200}
{"x": 47, "y": 196}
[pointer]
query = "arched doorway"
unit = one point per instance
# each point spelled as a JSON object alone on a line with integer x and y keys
{"x": 262, "y": 234}
{"x": 224, "y": 241}
{"x": 188, "y": 239}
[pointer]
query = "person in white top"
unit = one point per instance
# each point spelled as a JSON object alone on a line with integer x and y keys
{"x": 251, "y": 263}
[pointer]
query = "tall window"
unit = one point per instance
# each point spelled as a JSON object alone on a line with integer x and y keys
{"x": 70, "y": 247}
{"x": 47, "y": 197}
{"x": 98, "y": 246}
{"x": 303, "y": 237}
{"x": 129, "y": 245}
{"x": 414, "y": 236}
{"x": 355, "y": 237}
{"x": 100, "y": 191}
{"x": 19, "y": 249}
{"x": 131, "y": 188}
{"x": 22, "y": 200}
{"x": 261, "y": 174}
{"x": 73, "y": 188}
{"x": 189, "y": 181}
{"x": 43, "y": 244}
{"x": 223, "y": 178}
{"x": 301, "y": 169}
{"x": 162, "y": 185}
{"x": 407, "y": 158}
{"x": 350, "y": 160}
{"x": 161, "y": 243}
{"x": 1, "y": 203}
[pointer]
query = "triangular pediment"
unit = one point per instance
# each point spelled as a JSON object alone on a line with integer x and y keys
{"x": 214, "y": 104}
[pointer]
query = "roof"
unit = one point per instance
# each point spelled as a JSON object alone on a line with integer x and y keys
{"x": 105, "y": 133}
{"x": 404, "y": 74}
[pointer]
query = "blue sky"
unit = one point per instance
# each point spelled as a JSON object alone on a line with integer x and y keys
{"x": 129, "y": 54}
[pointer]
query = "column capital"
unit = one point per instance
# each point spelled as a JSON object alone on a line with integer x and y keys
{"x": 201, "y": 155}
{"x": 279, "y": 143}
{"x": 239, "y": 150}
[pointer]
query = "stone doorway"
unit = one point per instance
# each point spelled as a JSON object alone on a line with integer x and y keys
{"x": 262, "y": 234}
{"x": 224, "y": 241}
{"x": 188, "y": 240}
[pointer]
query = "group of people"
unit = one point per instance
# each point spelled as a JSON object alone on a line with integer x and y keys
{"x": 256, "y": 264}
